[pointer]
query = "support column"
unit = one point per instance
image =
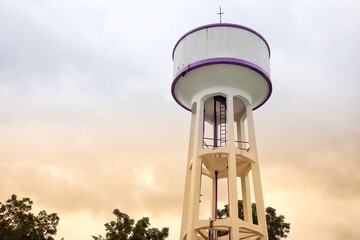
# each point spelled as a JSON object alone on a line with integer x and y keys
{"x": 193, "y": 174}
{"x": 245, "y": 187}
{"x": 243, "y": 130}
{"x": 185, "y": 212}
{"x": 232, "y": 183}
{"x": 245, "y": 184}
{"x": 259, "y": 201}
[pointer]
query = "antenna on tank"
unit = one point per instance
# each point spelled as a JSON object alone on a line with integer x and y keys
{"x": 220, "y": 13}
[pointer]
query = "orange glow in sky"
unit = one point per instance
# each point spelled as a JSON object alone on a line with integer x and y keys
{"x": 88, "y": 123}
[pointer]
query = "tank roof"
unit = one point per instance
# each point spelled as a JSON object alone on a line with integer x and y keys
{"x": 220, "y": 25}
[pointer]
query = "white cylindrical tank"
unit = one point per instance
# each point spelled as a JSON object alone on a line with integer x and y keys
{"x": 221, "y": 55}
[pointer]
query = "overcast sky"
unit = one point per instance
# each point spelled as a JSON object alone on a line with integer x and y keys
{"x": 88, "y": 123}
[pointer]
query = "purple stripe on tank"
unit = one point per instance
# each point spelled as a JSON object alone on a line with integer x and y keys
{"x": 212, "y": 61}
{"x": 220, "y": 25}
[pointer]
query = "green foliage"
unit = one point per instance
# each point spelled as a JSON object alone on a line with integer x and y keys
{"x": 123, "y": 229}
{"x": 276, "y": 225}
{"x": 17, "y": 222}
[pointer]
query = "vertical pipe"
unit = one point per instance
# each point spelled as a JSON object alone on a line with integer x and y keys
{"x": 216, "y": 200}
{"x": 216, "y": 194}
{"x": 203, "y": 134}
{"x": 212, "y": 234}
{"x": 215, "y": 124}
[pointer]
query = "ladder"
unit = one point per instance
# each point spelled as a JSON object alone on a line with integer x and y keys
{"x": 219, "y": 121}
{"x": 222, "y": 123}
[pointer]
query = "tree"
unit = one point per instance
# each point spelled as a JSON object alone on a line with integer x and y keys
{"x": 17, "y": 222}
{"x": 276, "y": 225}
{"x": 123, "y": 229}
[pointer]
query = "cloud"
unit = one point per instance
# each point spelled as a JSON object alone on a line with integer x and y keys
{"x": 88, "y": 123}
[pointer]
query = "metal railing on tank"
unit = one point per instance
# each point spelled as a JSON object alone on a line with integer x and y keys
{"x": 243, "y": 145}
{"x": 209, "y": 144}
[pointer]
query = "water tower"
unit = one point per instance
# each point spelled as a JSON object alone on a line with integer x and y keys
{"x": 222, "y": 74}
